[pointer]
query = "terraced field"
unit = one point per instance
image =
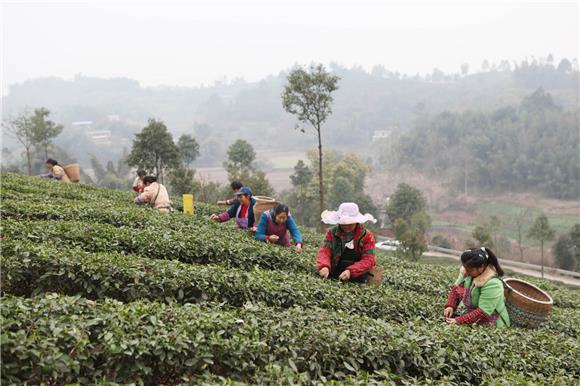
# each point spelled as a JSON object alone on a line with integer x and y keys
{"x": 95, "y": 290}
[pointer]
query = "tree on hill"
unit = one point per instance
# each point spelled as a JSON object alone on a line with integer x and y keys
{"x": 405, "y": 202}
{"x": 542, "y": 232}
{"x": 240, "y": 166}
{"x": 308, "y": 95}
{"x": 188, "y": 148}
{"x": 154, "y": 150}
{"x": 44, "y": 130}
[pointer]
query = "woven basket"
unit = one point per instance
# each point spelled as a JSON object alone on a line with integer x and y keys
{"x": 263, "y": 204}
{"x": 376, "y": 276}
{"x": 73, "y": 171}
{"x": 527, "y": 305}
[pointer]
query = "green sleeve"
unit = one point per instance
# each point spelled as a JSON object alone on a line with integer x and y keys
{"x": 491, "y": 296}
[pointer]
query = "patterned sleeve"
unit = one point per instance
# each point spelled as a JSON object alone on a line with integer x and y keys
{"x": 453, "y": 298}
{"x": 323, "y": 259}
{"x": 471, "y": 317}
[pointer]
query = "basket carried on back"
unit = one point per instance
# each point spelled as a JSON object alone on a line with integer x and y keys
{"x": 263, "y": 204}
{"x": 73, "y": 171}
{"x": 376, "y": 276}
{"x": 527, "y": 305}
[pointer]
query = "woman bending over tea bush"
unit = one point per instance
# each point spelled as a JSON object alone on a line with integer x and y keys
{"x": 274, "y": 226}
{"x": 479, "y": 288}
{"x": 348, "y": 252}
{"x": 242, "y": 210}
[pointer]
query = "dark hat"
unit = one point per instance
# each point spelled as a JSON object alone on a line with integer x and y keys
{"x": 244, "y": 191}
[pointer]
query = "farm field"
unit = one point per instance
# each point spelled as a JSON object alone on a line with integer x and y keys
{"x": 96, "y": 290}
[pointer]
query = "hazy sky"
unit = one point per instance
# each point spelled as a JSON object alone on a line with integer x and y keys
{"x": 198, "y": 42}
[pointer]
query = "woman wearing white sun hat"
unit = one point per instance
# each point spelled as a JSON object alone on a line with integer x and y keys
{"x": 348, "y": 252}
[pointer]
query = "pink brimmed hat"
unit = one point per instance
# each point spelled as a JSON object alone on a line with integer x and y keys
{"x": 347, "y": 213}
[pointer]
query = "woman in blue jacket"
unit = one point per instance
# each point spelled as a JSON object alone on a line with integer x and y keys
{"x": 274, "y": 226}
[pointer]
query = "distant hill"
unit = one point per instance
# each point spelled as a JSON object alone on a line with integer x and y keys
{"x": 366, "y": 102}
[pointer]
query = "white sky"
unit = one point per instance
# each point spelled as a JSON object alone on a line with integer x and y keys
{"x": 197, "y": 42}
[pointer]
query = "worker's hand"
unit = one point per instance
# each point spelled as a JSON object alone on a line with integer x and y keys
{"x": 451, "y": 320}
{"x": 214, "y": 217}
{"x": 448, "y": 312}
{"x": 221, "y": 202}
{"x": 273, "y": 239}
{"x": 298, "y": 248}
{"x": 345, "y": 275}
{"x": 324, "y": 272}
{"x": 253, "y": 229}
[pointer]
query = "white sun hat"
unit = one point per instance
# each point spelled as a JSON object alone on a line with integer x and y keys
{"x": 347, "y": 213}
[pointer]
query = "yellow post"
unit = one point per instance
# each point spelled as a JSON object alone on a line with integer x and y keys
{"x": 188, "y": 203}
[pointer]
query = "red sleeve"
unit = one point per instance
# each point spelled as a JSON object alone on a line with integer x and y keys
{"x": 136, "y": 188}
{"x": 471, "y": 317}
{"x": 453, "y": 298}
{"x": 323, "y": 259}
{"x": 367, "y": 260}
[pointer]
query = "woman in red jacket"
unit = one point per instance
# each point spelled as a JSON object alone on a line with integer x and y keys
{"x": 348, "y": 252}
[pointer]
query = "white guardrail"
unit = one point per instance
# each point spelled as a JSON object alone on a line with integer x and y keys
{"x": 512, "y": 263}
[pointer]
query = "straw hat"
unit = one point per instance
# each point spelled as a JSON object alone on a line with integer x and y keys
{"x": 347, "y": 213}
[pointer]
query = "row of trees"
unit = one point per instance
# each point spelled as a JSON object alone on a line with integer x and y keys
{"x": 510, "y": 149}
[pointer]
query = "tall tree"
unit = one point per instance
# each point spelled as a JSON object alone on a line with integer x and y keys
{"x": 153, "y": 149}
{"x": 482, "y": 234}
{"x": 308, "y": 95}
{"x": 301, "y": 177}
{"x": 411, "y": 234}
{"x": 241, "y": 157}
{"x": 240, "y": 166}
{"x": 542, "y": 232}
{"x": 405, "y": 202}
{"x": 44, "y": 129}
{"x": 21, "y": 129}
{"x": 188, "y": 148}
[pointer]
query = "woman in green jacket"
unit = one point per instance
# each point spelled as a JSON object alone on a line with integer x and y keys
{"x": 480, "y": 289}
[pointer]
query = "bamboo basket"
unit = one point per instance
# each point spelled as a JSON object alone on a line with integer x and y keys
{"x": 527, "y": 305}
{"x": 73, "y": 171}
{"x": 376, "y": 276}
{"x": 263, "y": 204}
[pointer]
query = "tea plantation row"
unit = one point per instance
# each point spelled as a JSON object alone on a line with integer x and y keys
{"x": 66, "y": 339}
{"x": 174, "y": 298}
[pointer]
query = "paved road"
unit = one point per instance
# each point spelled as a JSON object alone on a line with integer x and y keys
{"x": 564, "y": 279}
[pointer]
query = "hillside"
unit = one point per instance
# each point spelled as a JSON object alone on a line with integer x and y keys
{"x": 97, "y": 290}
{"x": 219, "y": 114}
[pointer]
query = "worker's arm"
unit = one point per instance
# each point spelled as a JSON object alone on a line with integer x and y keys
{"x": 230, "y": 213}
{"x": 144, "y": 197}
{"x": 294, "y": 231}
{"x": 262, "y": 228}
{"x": 323, "y": 259}
{"x": 57, "y": 172}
